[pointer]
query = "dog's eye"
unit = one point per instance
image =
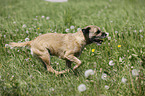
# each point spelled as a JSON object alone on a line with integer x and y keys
{"x": 98, "y": 31}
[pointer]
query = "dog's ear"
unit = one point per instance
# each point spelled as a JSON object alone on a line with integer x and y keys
{"x": 86, "y": 30}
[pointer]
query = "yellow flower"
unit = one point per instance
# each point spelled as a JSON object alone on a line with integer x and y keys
{"x": 119, "y": 46}
{"x": 93, "y": 50}
{"x": 38, "y": 28}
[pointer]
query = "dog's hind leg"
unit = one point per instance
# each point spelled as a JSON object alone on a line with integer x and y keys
{"x": 45, "y": 56}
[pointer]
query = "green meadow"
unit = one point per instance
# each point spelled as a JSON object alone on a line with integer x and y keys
{"x": 118, "y": 64}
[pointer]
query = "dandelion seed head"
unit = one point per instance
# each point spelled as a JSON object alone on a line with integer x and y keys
{"x": 47, "y": 18}
{"x": 88, "y": 73}
{"x": 106, "y": 87}
{"x": 140, "y": 30}
{"x": 116, "y": 31}
{"x": 111, "y": 63}
{"x": 67, "y": 30}
{"x": 24, "y": 26}
{"x": 135, "y": 72}
{"x": 72, "y": 27}
{"x": 27, "y": 39}
{"x": 123, "y": 80}
{"x": 82, "y": 87}
{"x": 42, "y": 16}
{"x": 78, "y": 29}
{"x": 6, "y": 45}
{"x": 104, "y": 76}
{"x": 109, "y": 38}
{"x": 27, "y": 31}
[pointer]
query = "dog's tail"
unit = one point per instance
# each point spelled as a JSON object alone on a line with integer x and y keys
{"x": 13, "y": 44}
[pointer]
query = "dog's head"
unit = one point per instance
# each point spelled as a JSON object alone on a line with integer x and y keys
{"x": 93, "y": 34}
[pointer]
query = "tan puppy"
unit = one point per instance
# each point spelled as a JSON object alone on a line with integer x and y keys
{"x": 66, "y": 46}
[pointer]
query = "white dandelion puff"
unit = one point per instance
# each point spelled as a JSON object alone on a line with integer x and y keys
{"x": 27, "y": 31}
{"x": 111, "y": 63}
{"x": 6, "y": 45}
{"x": 67, "y": 30}
{"x": 4, "y": 36}
{"x": 72, "y": 27}
{"x": 24, "y": 26}
{"x": 104, "y": 76}
{"x": 140, "y": 30}
{"x": 135, "y": 31}
{"x": 120, "y": 59}
{"x": 135, "y": 72}
{"x": 109, "y": 38}
{"x": 82, "y": 87}
{"x": 27, "y": 39}
{"x": 116, "y": 31}
{"x": 106, "y": 87}
{"x": 88, "y": 73}
{"x": 47, "y": 18}
{"x": 123, "y": 80}
{"x": 42, "y": 16}
{"x": 51, "y": 89}
{"x": 79, "y": 29}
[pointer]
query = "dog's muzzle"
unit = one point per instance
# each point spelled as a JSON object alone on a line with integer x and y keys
{"x": 98, "y": 40}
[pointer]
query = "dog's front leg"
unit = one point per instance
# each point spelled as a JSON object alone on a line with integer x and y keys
{"x": 73, "y": 59}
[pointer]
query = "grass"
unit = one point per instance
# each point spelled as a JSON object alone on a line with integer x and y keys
{"x": 22, "y": 74}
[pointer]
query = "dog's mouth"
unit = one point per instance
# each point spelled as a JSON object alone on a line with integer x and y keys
{"x": 98, "y": 41}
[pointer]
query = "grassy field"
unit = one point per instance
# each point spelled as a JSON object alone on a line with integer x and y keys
{"x": 124, "y": 20}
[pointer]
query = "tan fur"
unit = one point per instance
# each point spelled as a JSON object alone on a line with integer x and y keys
{"x": 66, "y": 46}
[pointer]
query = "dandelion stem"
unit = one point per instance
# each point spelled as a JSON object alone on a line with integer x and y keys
{"x": 133, "y": 89}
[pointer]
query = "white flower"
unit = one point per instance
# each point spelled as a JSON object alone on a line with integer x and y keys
{"x": 27, "y": 31}
{"x": 42, "y": 16}
{"x": 66, "y": 30}
{"x": 135, "y": 72}
{"x": 88, "y": 73}
{"x": 72, "y": 27}
{"x": 6, "y": 45}
{"x": 47, "y": 18}
{"x": 123, "y": 80}
{"x": 27, "y": 39}
{"x": 116, "y": 31}
{"x": 14, "y": 22}
{"x": 104, "y": 76}
{"x": 82, "y": 87}
{"x": 51, "y": 89}
{"x": 78, "y": 29}
{"x": 111, "y": 63}
{"x": 135, "y": 31}
{"x": 106, "y": 87}
{"x": 141, "y": 36}
{"x": 4, "y": 36}
{"x": 57, "y": 0}
{"x": 140, "y": 30}
{"x": 109, "y": 38}
{"x": 120, "y": 59}
{"x": 24, "y": 26}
